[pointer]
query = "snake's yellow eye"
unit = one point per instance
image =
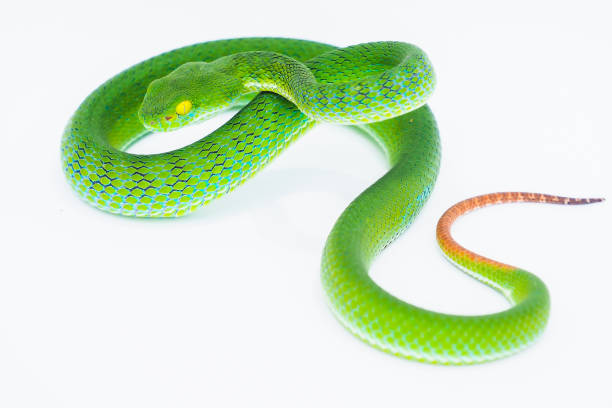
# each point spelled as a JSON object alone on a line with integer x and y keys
{"x": 183, "y": 108}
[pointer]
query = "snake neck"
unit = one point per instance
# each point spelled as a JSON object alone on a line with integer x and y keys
{"x": 394, "y": 82}
{"x": 260, "y": 71}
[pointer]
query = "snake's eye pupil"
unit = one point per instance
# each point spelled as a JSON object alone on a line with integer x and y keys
{"x": 183, "y": 108}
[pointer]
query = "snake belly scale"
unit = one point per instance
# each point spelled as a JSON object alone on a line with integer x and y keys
{"x": 284, "y": 87}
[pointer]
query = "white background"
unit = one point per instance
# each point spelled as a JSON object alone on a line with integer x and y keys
{"x": 225, "y": 307}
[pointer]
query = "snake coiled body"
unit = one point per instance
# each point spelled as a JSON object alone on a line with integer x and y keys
{"x": 285, "y": 87}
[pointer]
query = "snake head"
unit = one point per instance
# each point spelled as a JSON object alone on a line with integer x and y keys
{"x": 194, "y": 91}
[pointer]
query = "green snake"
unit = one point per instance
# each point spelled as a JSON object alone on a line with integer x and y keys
{"x": 284, "y": 87}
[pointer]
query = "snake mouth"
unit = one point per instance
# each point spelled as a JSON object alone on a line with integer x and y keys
{"x": 167, "y": 122}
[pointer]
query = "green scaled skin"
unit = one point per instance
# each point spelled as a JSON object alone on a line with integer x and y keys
{"x": 288, "y": 86}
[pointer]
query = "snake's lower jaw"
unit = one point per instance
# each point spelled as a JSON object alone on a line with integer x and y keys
{"x": 152, "y": 126}
{"x": 149, "y": 123}
{"x": 157, "y": 126}
{"x": 167, "y": 123}
{"x": 155, "y": 123}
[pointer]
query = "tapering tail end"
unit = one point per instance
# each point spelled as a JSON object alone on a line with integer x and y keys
{"x": 551, "y": 199}
{"x": 518, "y": 197}
{"x": 453, "y": 250}
{"x": 578, "y": 201}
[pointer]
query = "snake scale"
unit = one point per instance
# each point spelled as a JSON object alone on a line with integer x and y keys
{"x": 284, "y": 87}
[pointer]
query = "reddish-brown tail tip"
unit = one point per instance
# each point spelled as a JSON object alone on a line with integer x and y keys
{"x": 450, "y": 246}
{"x": 579, "y": 201}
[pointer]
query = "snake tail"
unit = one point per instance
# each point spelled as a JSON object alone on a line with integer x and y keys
{"x": 526, "y": 293}
{"x": 509, "y": 280}
{"x": 478, "y": 265}
{"x": 400, "y": 328}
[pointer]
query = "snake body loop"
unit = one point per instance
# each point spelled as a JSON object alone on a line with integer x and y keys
{"x": 285, "y": 87}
